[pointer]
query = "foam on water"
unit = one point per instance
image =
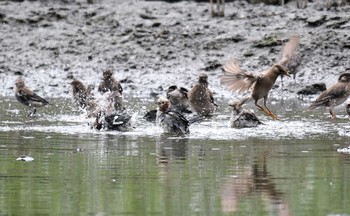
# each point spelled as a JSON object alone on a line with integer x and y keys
{"x": 216, "y": 128}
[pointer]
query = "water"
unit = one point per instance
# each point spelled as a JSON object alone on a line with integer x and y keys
{"x": 286, "y": 167}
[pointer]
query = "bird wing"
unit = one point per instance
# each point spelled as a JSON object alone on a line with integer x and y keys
{"x": 289, "y": 50}
{"x": 235, "y": 79}
{"x": 28, "y": 95}
{"x": 337, "y": 91}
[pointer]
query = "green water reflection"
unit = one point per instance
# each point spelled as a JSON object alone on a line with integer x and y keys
{"x": 121, "y": 174}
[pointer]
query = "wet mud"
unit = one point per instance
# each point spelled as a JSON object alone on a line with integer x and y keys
{"x": 152, "y": 45}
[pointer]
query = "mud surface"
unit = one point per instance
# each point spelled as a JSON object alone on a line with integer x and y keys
{"x": 152, "y": 45}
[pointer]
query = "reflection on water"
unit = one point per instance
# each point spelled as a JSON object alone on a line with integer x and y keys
{"x": 254, "y": 182}
{"x": 287, "y": 167}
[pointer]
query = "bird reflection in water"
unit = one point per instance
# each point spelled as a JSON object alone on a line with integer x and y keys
{"x": 255, "y": 181}
{"x": 171, "y": 148}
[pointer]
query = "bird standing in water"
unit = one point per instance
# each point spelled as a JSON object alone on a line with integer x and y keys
{"x": 335, "y": 95}
{"x": 201, "y": 98}
{"x": 170, "y": 121}
{"x": 109, "y": 83}
{"x": 178, "y": 97}
{"x": 27, "y": 97}
{"x": 238, "y": 81}
{"x": 83, "y": 97}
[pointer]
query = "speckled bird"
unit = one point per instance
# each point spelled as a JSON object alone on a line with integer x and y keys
{"x": 109, "y": 83}
{"x": 178, "y": 97}
{"x": 201, "y": 97}
{"x": 27, "y": 97}
{"x": 335, "y": 95}
{"x": 83, "y": 97}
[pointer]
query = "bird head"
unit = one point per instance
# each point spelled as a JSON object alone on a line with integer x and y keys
{"x": 344, "y": 77}
{"x": 203, "y": 78}
{"x": 280, "y": 70}
{"x": 163, "y": 104}
{"x": 19, "y": 82}
{"x": 78, "y": 86}
{"x": 107, "y": 74}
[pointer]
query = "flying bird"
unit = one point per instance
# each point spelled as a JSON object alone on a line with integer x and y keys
{"x": 335, "y": 95}
{"x": 236, "y": 80}
{"x": 27, "y": 97}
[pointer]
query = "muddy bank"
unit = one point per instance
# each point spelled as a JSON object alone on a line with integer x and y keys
{"x": 151, "y": 45}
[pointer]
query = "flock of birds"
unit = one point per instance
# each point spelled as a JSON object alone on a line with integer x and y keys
{"x": 109, "y": 112}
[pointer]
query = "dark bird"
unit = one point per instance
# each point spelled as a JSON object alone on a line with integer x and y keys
{"x": 170, "y": 121}
{"x": 241, "y": 118}
{"x": 109, "y": 83}
{"x": 335, "y": 95}
{"x": 83, "y": 97}
{"x": 201, "y": 98}
{"x": 27, "y": 97}
{"x": 238, "y": 81}
{"x": 178, "y": 99}
{"x": 119, "y": 120}
{"x": 291, "y": 58}
{"x": 348, "y": 109}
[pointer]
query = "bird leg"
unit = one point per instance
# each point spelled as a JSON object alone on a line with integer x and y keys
{"x": 333, "y": 116}
{"x": 32, "y": 112}
{"x": 266, "y": 111}
{"x": 271, "y": 114}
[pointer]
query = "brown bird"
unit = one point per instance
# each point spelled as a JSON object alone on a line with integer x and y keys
{"x": 27, "y": 97}
{"x": 335, "y": 95}
{"x": 178, "y": 97}
{"x": 201, "y": 98}
{"x": 83, "y": 96}
{"x": 291, "y": 58}
{"x": 109, "y": 83}
{"x": 238, "y": 81}
{"x": 220, "y": 5}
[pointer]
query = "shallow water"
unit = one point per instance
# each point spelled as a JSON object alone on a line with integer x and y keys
{"x": 286, "y": 167}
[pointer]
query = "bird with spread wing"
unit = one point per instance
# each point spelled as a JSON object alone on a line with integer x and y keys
{"x": 237, "y": 80}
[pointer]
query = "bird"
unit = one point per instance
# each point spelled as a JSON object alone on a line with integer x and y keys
{"x": 171, "y": 122}
{"x": 291, "y": 58}
{"x": 241, "y": 118}
{"x": 178, "y": 99}
{"x": 109, "y": 83}
{"x": 119, "y": 120}
{"x": 239, "y": 81}
{"x": 218, "y": 12}
{"x": 201, "y": 98}
{"x": 83, "y": 97}
{"x": 333, "y": 96}
{"x": 27, "y": 97}
{"x": 347, "y": 108}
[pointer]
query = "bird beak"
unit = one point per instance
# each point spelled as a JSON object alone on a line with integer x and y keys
{"x": 288, "y": 74}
